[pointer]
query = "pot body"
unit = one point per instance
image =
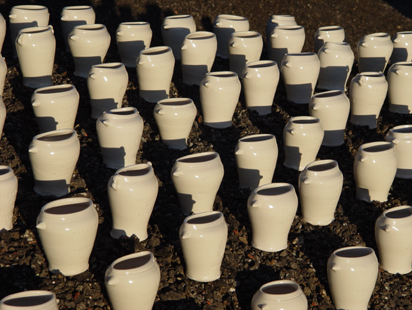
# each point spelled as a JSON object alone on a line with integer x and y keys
{"x": 53, "y": 157}
{"x": 72, "y": 16}
{"x": 175, "y": 117}
{"x": 320, "y": 186}
{"x": 367, "y": 94}
{"x": 3, "y": 72}
{"x": 107, "y": 85}
{"x": 275, "y": 21}
{"x": 352, "y": 275}
{"x": 3, "y": 113}
{"x": 401, "y": 137}
{"x": 219, "y": 95}
{"x": 67, "y": 229}
{"x": 374, "y": 169}
{"x": 36, "y": 48}
{"x": 399, "y": 92}
{"x": 203, "y": 238}
{"x": 132, "y": 281}
{"x": 119, "y": 132}
{"x": 89, "y": 45}
{"x": 402, "y": 47}
{"x": 30, "y": 300}
{"x": 302, "y": 137}
{"x": 285, "y": 40}
{"x": 256, "y": 157}
{"x": 8, "y": 194}
{"x": 55, "y": 107}
{"x": 325, "y": 34}
{"x": 132, "y": 38}
{"x": 374, "y": 51}
{"x": 3, "y": 28}
{"x": 197, "y": 179}
{"x": 272, "y": 208}
{"x": 154, "y": 68}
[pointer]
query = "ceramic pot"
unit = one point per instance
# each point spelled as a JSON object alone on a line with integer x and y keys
{"x": 36, "y": 47}
{"x": 320, "y": 186}
{"x": 107, "y": 84}
{"x": 332, "y": 109}
{"x": 393, "y": 232}
{"x": 260, "y": 80}
{"x": 401, "y": 137}
{"x": 328, "y": 34}
{"x": 198, "y": 54}
{"x": 3, "y": 72}
{"x": 352, "y": 275}
{"x": 89, "y": 45}
{"x": 174, "y": 30}
{"x": 374, "y": 169}
{"x": 367, "y": 94}
{"x": 132, "y": 194}
{"x": 374, "y": 51}
{"x": 30, "y": 300}
{"x": 119, "y": 132}
{"x": 280, "y": 295}
{"x": 223, "y": 26}
{"x": 72, "y": 16}
{"x": 197, "y": 178}
{"x": 302, "y": 138}
{"x": 272, "y": 209}
{"x": 25, "y": 16}
{"x": 399, "y": 91}
{"x": 155, "y": 67}
{"x": 53, "y": 157}
{"x": 244, "y": 46}
{"x": 203, "y": 238}
{"x": 8, "y": 194}
{"x": 132, "y": 38}
{"x": 402, "y": 50}
{"x": 3, "y": 28}
{"x": 132, "y": 281}
{"x": 55, "y": 107}
{"x": 219, "y": 95}
{"x": 3, "y": 113}
{"x": 256, "y": 157}
{"x": 67, "y": 229}
{"x": 286, "y": 40}
{"x": 174, "y": 118}
{"x": 275, "y": 21}
{"x": 300, "y": 73}
{"x": 336, "y": 61}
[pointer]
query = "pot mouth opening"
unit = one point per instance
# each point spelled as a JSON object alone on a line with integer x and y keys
{"x": 354, "y": 252}
{"x": 403, "y": 64}
{"x": 56, "y": 137}
{"x": 403, "y": 129}
{"x": 199, "y": 159}
{"x": 32, "y": 7}
{"x": 178, "y": 16}
{"x": 257, "y": 138}
{"x": 135, "y": 171}
{"x": 55, "y": 89}
{"x": 175, "y": 102}
{"x": 29, "y": 301}
{"x": 261, "y": 64}
{"x": 204, "y": 219}
{"x": 134, "y": 23}
{"x": 122, "y": 111}
{"x": 31, "y": 30}
{"x": 290, "y": 27}
{"x": 246, "y": 34}
{"x": 200, "y": 35}
{"x": 68, "y": 208}
{"x": 91, "y": 27}
{"x": 320, "y": 166}
{"x": 4, "y": 170}
{"x": 305, "y": 54}
{"x": 404, "y": 32}
{"x": 155, "y": 51}
{"x": 275, "y": 191}
{"x": 113, "y": 65}
{"x": 303, "y": 121}
{"x": 398, "y": 214}
{"x": 330, "y": 28}
{"x": 222, "y": 74}
{"x": 371, "y": 74}
{"x": 378, "y": 148}
{"x": 280, "y": 288}
{"x": 77, "y": 8}
{"x": 283, "y": 17}
{"x": 378, "y": 35}
{"x": 232, "y": 17}
{"x": 332, "y": 93}
{"x": 133, "y": 263}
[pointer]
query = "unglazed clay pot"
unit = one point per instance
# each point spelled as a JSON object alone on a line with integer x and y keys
{"x": 402, "y": 47}
{"x": 280, "y": 295}
{"x": 89, "y": 45}
{"x": 256, "y": 157}
{"x": 336, "y": 61}
{"x": 300, "y": 72}
{"x": 174, "y": 30}
{"x": 332, "y": 109}
{"x": 302, "y": 137}
{"x": 3, "y": 113}
{"x": 119, "y": 132}
{"x": 285, "y": 40}
{"x": 401, "y": 137}
{"x": 328, "y": 34}
{"x": 175, "y": 117}
{"x": 197, "y": 178}
{"x": 53, "y": 157}
{"x": 203, "y": 238}
{"x": 320, "y": 186}
{"x": 36, "y": 47}
{"x": 2, "y": 31}
{"x": 107, "y": 85}
{"x": 67, "y": 229}
{"x": 132, "y": 281}
{"x": 8, "y": 194}
{"x": 55, "y": 107}
{"x": 260, "y": 80}
{"x": 275, "y": 21}
{"x": 132, "y": 38}
{"x": 219, "y": 95}
{"x": 30, "y": 300}
{"x": 223, "y": 26}
{"x": 155, "y": 67}
{"x": 374, "y": 169}
{"x": 352, "y": 275}
{"x": 132, "y": 194}
{"x": 198, "y": 54}
{"x": 374, "y": 51}
{"x": 72, "y": 16}
{"x": 272, "y": 208}
{"x": 399, "y": 91}
{"x": 367, "y": 94}
{"x": 3, "y": 72}
{"x": 244, "y": 46}
{"x": 393, "y": 230}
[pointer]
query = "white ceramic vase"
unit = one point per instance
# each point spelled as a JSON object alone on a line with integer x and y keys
{"x": 328, "y": 34}
{"x": 275, "y": 21}
{"x": 8, "y": 194}
{"x": 286, "y": 40}
{"x": 72, "y": 16}
{"x": 3, "y": 72}
{"x": 401, "y": 137}
{"x": 374, "y": 51}
{"x": 399, "y": 91}
{"x": 3, "y": 28}
{"x": 3, "y": 113}
{"x": 30, "y": 300}
{"x": 402, "y": 47}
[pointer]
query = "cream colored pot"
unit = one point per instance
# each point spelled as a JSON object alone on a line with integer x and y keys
{"x": 3, "y": 28}
{"x": 30, "y": 300}
{"x": 286, "y": 40}
{"x": 275, "y": 21}
{"x": 3, "y": 73}
{"x": 402, "y": 47}
{"x": 399, "y": 91}
{"x": 374, "y": 51}
{"x": 3, "y": 113}
{"x": 401, "y": 137}
{"x": 8, "y": 194}
{"x": 328, "y": 34}
{"x": 72, "y": 16}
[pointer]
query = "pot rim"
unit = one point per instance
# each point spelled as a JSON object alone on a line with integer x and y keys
{"x": 296, "y": 293}
{"x": 27, "y": 294}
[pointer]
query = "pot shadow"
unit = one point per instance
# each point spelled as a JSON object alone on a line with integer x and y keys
{"x": 102, "y": 105}
{"x": 277, "y": 54}
{"x": 183, "y": 304}
{"x": 83, "y": 65}
{"x": 299, "y": 93}
{"x": 371, "y": 64}
{"x": 399, "y": 54}
{"x": 47, "y": 123}
{"x": 193, "y": 74}
{"x": 332, "y": 77}
{"x": 22, "y": 278}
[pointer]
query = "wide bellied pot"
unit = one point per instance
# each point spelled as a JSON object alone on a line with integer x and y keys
{"x": 275, "y": 21}
{"x": 402, "y": 47}
{"x": 399, "y": 91}
{"x": 8, "y": 194}
{"x": 284, "y": 40}
{"x": 401, "y": 137}
{"x": 30, "y": 300}
{"x": 328, "y": 34}
{"x": 374, "y": 51}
